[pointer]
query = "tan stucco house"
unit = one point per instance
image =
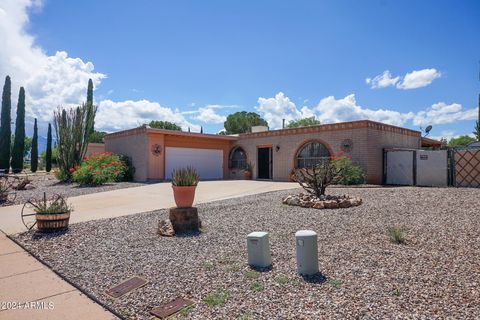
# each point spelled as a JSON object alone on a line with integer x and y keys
{"x": 156, "y": 153}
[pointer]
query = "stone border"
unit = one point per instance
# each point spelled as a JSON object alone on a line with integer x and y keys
{"x": 327, "y": 202}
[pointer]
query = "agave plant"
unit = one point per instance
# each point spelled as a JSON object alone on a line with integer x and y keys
{"x": 185, "y": 177}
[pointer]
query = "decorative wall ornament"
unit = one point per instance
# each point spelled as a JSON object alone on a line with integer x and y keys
{"x": 347, "y": 145}
{"x": 156, "y": 150}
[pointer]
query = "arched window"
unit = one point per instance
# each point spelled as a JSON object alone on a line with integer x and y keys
{"x": 311, "y": 154}
{"x": 238, "y": 158}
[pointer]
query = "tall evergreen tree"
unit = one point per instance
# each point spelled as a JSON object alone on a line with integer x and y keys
{"x": 19, "y": 143}
{"x": 201, "y": 129}
{"x": 48, "y": 156}
{"x": 476, "y": 131}
{"x": 5, "y": 130}
{"x": 90, "y": 109}
{"x": 34, "y": 153}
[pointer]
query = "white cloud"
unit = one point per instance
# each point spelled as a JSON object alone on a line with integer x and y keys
{"x": 332, "y": 110}
{"x": 49, "y": 81}
{"x": 208, "y": 115}
{"x": 382, "y": 81}
{"x": 412, "y": 80}
{"x": 114, "y": 116}
{"x": 442, "y": 113}
{"x": 280, "y": 107}
{"x": 419, "y": 78}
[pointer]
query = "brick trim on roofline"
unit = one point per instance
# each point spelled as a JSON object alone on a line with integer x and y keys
{"x": 126, "y": 133}
{"x": 333, "y": 127}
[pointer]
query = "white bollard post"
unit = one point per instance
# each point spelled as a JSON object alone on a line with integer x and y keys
{"x": 307, "y": 252}
{"x": 259, "y": 250}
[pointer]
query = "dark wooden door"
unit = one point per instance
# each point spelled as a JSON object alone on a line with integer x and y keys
{"x": 264, "y": 162}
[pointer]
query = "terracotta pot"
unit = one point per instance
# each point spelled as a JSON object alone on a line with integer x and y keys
{"x": 184, "y": 196}
{"x": 248, "y": 175}
{"x": 52, "y": 222}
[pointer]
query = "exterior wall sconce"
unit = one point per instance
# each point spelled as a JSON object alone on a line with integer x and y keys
{"x": 277, "y": 148}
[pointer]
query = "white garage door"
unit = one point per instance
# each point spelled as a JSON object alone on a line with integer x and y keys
{"x": 207, "y": 162}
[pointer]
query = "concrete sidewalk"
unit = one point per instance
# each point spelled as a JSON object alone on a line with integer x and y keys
{"x": 28, "y": 284}
{"x": 141, "y": 199}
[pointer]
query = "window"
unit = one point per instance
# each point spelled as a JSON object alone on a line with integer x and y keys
{"x": 238, "y": 159}
{"x": 312, "y": 154}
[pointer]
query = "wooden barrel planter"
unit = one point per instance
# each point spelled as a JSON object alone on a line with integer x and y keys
{"x": 52, "y": 222}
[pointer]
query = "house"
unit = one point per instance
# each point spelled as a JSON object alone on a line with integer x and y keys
{"x": 274, "y": 154}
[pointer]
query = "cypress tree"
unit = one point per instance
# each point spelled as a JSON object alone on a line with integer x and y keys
{"x": 34, "y": 153}
{"x": 5, "y": 130}
{"x": 19, "y": 143}
{"x": 48, "y": 156}
{"x": 201, "y": 129}
{"x": 90, "y": 111}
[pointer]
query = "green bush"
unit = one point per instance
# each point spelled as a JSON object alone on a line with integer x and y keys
{"x": 100, "y": 168}
{"x": 349, "y": 173}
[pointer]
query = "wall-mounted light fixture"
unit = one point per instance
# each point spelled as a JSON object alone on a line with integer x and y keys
{"x": 277, "y": 148}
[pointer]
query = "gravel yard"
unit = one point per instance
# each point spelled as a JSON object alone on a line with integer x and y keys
{"x": 436, "y": 274}
{"x": 49, "y": 184}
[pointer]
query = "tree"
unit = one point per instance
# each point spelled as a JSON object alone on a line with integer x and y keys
{"x": 476, "y": 131}
{"x": 34, "y": 154}
{"x": 5, "y": 130}
{"x": 18, "y": 150}
{"x": 48, "y": 153}
{"x": 242, "y": 122}
{"x": 201, "y": 129}
{"x": 71, "y": 129}
{"x": 461, "y": 141}
{"x": 90, "y": 106}
{"x": 97, "y": 136}
{"x": 164, "y": 125}
{"x": 305, "y": 122}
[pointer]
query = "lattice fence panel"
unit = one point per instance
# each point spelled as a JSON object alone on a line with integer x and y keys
{"x": 467, "y": 168}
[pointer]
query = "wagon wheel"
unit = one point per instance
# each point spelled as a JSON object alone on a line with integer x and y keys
{"x": 28, "y": 217}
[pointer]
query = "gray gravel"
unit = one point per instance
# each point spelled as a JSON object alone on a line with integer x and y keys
{"x": 436, "y": 274}
{"x": 49, "y": 184}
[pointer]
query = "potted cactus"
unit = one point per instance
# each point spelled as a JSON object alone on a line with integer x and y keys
{"x": 52, "y": 214}
{"x": 248, "y": 171}
{"x": 184, "y": 183}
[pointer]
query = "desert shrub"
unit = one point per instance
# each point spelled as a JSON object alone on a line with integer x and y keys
{"x": 99, "y": 169}
{"x": 397, "y": 234}
{"x": 349, "y": 173}
{"x": 316, "y": 179}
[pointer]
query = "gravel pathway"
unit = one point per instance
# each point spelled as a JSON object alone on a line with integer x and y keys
{"x": 50, "y": 185}
{"x": 436, "y": 274}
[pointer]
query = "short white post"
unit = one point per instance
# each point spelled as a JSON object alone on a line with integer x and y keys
{"x": 259, "y": 250}
{"x": 307, "y": 252}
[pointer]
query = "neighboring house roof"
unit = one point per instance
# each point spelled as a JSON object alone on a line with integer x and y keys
{"x": 475, "y": 144}
{"x": 430, "y": 143}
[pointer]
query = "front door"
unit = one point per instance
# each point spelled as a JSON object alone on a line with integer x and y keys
{"x": 264, "y": 161}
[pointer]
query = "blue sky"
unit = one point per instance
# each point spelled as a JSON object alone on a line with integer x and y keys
{"x": 194, "y": 62}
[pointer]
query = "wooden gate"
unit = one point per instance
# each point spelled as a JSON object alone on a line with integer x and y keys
{"x": 467, "y": 168}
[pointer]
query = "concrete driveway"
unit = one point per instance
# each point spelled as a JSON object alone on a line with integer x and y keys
{"x": 141, "y": 199}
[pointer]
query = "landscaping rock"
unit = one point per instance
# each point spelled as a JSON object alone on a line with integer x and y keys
{"x": 324, "y": 202}
{"x": 165, "y": 228}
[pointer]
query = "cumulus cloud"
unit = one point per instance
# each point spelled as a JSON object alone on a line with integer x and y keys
{"x": 346, "y": 109}
{"x": 412, "y": 80}
{"x": 418, "y": 79}
{"x": 383, "y": 80}
{"x": 280, "y": 107}
{"x": 333, "y": 110}
{"x": 49, "y": 81}
{"x": 442, "y": 113}
{"x": 208, "y": 115}
{"x": 114, "y": 115}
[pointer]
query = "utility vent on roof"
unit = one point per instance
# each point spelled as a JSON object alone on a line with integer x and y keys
{"x": 259, "y": 129}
